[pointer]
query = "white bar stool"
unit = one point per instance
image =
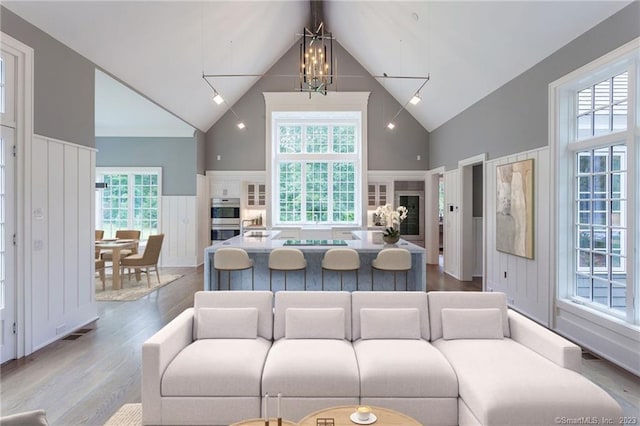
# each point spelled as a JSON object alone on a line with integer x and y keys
{"x": 341, "y": 260}
{"x": 394, "y": 260}
{"x": 286, "y": 259}
{"x": 232, "y": 259}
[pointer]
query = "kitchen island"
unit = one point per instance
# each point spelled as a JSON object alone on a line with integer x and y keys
{"x": 259, "y": 244}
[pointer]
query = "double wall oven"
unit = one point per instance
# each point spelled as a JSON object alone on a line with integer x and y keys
{"x": 225, "y": 218}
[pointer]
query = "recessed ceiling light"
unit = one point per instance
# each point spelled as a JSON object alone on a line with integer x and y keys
{"x": 390, "y": 126}
{"x": 217, "y": 98}
{"x": 415, "y": 100}
{"x": 240, "y": 125}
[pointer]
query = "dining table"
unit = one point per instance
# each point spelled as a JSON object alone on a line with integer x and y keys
{"x": 115, "y": 246}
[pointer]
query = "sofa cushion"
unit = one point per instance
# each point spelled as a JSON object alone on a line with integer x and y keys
{"x": 309, "y": 299}
{"x": 311, "y": 368}
{"x": 227, "y": 323}
{"x": 400, "y": 323}
{"x": 502, "y": 382}
{"x": 439, "y": 300}
{"x": 472, "y": 323}
{"x": 390, "y": 300}
{"x": 314, "y": 323}
{"x": 217, "y": 367}
{"x": 404, "y": 368}
{"x": 261, "y": 300}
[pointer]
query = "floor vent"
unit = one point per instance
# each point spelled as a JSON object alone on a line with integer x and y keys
{"x": 78, "y": 333}
{"x": 588, "y": 355}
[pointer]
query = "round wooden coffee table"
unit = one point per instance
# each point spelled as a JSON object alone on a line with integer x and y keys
{"x": 341, "y": 417}
{"x": 260, "y": 422}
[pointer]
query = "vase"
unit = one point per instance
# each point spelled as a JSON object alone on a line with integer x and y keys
{"x": 391, "y": 239}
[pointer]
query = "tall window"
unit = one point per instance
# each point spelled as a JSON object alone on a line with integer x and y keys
{"x": 130, "y": 200}
{"x": 598, "y": 161}
{"x": 317, "y": 165}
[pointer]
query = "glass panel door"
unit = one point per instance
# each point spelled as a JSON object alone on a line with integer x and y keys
{"x": 7, "y": 250}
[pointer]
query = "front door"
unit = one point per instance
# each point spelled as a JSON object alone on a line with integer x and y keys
{"x": 7, "y": 206}
{"x": 7, "y": 248}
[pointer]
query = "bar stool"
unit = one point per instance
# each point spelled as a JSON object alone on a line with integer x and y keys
{"x": 341, "y": 260}
{"x": 287, "y": 259}
{"x": 232, "y": 259}
{"x": 394, "y": 260}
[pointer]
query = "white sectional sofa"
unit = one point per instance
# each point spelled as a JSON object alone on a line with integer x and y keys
{"x": 444, "y": 358}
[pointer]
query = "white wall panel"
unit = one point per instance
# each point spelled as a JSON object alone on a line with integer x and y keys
{"x": 527, "y": 281}
{"x": 61, "y": 246}
{"x": 55, "y": 237}
{"x": 478, "y": 241}
{"x": 179, "y": 225}
{"x": 451, "y": 223}
{"x": 203, "y": 216}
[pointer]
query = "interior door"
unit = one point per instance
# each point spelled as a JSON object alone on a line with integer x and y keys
{"x": 7, "y": 248}
{"x": 411, "y": 229}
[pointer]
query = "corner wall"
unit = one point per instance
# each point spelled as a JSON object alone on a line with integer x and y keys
{"x": 64, "y": 84}
{"x": 514, "y": 118}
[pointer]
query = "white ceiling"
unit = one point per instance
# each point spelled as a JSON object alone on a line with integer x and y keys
{"x": 161, "y": 48}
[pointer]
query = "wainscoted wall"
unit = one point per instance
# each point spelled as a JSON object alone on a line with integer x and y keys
{"x": 179, "y": 225}
{"x": 451, "y": 223}
{"x": 478, "y": 242}
{"x": 62, "y": 198}
{"x": 204, "y": 219}
{"x": 526, "y": 282}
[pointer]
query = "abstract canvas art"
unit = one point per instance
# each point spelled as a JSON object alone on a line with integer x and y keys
{"x": 514, "y": 212}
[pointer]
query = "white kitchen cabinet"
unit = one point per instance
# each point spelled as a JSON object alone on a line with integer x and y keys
{"x": 256, "y": 194}
{"x": 377, "y": 194}
{"x": 226, "y": 188}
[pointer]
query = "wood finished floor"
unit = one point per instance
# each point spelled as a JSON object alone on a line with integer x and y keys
{"x": 84, "y": 381}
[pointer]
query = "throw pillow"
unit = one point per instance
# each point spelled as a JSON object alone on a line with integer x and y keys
{"x": 227, "y": 323}
{"x": 399, "y": 323}
{"x": 472, "y": 323}
{"x": 314, "y": 323}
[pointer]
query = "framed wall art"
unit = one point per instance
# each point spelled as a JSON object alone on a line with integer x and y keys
{"x": 514, "y": 211}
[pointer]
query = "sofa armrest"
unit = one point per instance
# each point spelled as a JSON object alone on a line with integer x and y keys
{"x": 544, "y": 342}
{"x": 157, "y": 352}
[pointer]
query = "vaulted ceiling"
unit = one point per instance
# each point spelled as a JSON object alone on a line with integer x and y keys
{"x": 162, "y": 48}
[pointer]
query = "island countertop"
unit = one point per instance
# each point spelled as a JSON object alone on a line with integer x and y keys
{"x": 265, "y": 241}
{"x": 259, "y": 244}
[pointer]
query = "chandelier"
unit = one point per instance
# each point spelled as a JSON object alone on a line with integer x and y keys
{"x": 316, "y": 60}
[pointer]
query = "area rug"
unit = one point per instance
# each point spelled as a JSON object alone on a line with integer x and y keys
{"x": 131, "y": 290}
{"x": 127, "y": 415}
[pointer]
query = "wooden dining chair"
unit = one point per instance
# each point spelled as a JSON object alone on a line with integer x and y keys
{"x": 123, "y": 234}
{"x": 100, "y": 269}
{"x": 99, "y": 236}
{"x": 146, "y": 260}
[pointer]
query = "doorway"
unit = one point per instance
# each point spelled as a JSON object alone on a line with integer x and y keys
{"x": 411, "y": 195}
{"x": 7, "y": 208}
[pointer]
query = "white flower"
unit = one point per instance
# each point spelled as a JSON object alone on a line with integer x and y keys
{"x": 390, "y": 216}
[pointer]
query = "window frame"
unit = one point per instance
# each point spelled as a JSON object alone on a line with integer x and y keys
{"x": 565, "y": 145}
{"x": 101, "y": 171}
{"x": 305, "y": 157}
{"x": 333, "y": 105}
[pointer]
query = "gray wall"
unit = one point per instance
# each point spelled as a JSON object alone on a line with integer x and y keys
{"x": 63, "y": 84}
{"x": 176, "y": 156}
{"x": 201, "y": 151}
{"x": 514, "y": 117}
{"x": 387, "y": 150}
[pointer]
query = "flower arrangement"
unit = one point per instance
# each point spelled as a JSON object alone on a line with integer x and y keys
{"x": 392, "y": 219}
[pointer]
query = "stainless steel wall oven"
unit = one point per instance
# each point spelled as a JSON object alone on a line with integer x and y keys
{"x": 225, "y": 218}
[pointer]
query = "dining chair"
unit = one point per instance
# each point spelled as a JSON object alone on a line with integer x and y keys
{"x": 99, "y": 236}
{"x": 123, "y": 234}
{"x": 146, "y": 260}
{"x": 100, "y": 269}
